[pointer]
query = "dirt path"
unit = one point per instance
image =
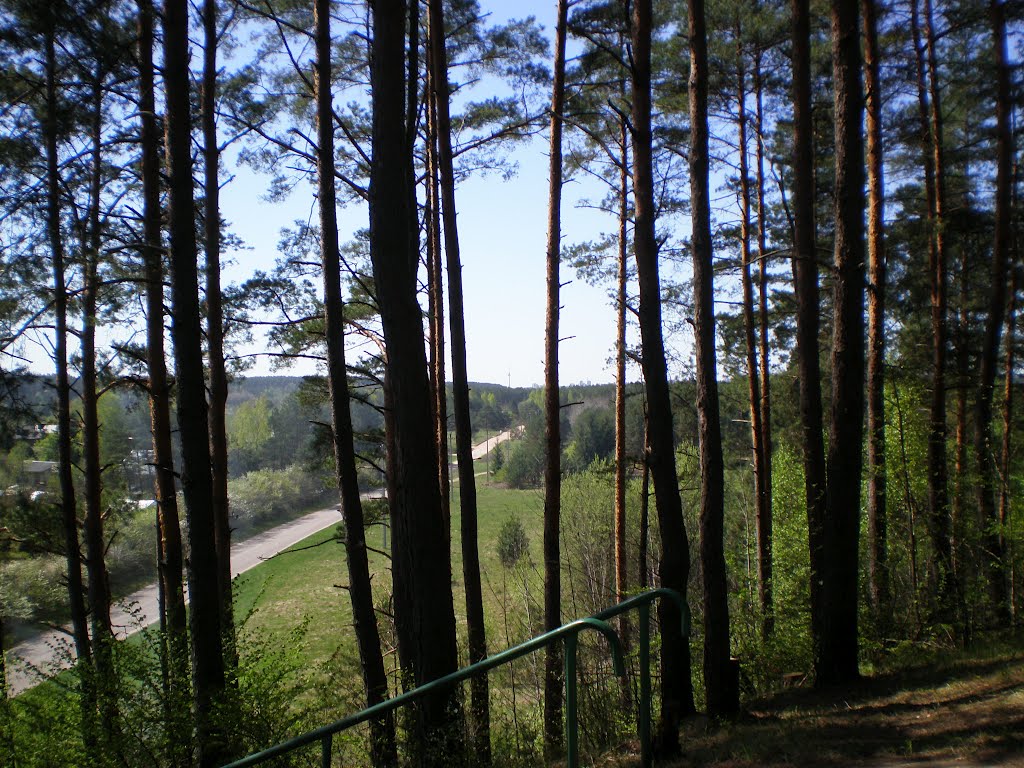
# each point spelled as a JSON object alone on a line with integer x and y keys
{"x": 44, "y": 655}
{"x": 966, "y": 713}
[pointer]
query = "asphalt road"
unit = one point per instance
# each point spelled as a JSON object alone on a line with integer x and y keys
{"x": 482, "y": 449}
{"x": 40, "y": 657}
{"x": 46, "y": 654}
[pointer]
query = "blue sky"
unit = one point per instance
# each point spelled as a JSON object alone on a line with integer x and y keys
{"x": 502, "y": 229}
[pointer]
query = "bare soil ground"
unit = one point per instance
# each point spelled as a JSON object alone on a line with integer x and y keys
{"x": 967, "y": 712}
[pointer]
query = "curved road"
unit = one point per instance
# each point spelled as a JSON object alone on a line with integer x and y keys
{"x": 32, "y": 661}
{"x": 482, "y": 449}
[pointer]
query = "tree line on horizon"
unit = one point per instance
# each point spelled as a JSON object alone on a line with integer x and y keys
{"x": 866, "y": 157}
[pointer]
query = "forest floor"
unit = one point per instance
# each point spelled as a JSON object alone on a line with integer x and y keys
{"x": 954, "y": 712}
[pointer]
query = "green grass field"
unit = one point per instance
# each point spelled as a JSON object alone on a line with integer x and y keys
{"x": 306, "y": 583}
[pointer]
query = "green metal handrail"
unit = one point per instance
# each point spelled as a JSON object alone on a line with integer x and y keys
{"x": 642, "y": 602}
{"x": 325, "y": 734}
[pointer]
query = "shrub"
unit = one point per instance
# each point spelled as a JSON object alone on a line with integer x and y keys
{"x": 270, "y": 495}
{"x": 35, "y": 588}
{"x": 525, "y": 465}
{"x": 131, "y": 559}
{"x": 513, "y": 543}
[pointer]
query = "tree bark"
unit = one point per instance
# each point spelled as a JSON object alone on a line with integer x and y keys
{"x": 95, "y": 544}
{"x": 383, "y": 749}
{"x": 643, "y": 568}
{"x": 424, "y": 606}
{"x": 878, "y": 562}
{"x": 215, "y": 331}
{"x": 170, "y": 564}
{"x": 69, "y": 508}
{"x": 846, "y": 430}
{"x": 553, "y": 682}
{"x": 1006, "y": 458}
{"x": 764, "y": 524}
{"x": 984, "y": 447}
{"x": 621, "y": 460}
{"x": 193, "y": 424}
{"x": 720, "y": 685}
{"x": 677, "y": 687}
{"x": 480, "y": 698}
{"x": 960, "y": 545}
{"x": 938, "y": 473}
{"x": 435, "y": 287}
{"x": 170, "y": 560}
{"x": 762, "y": 510}
{"x": 805, "y": 286}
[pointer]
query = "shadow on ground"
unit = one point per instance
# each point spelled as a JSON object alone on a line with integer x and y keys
{"x": 965, "y": 713}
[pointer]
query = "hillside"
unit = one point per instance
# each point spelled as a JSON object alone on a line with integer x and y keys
{"x": 965, "y": 712}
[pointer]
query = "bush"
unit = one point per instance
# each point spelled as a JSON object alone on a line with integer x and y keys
{"x": 513, "y": 543}
{"x": 34, "y": 588}
{"x": 131, "y": 559}
{"x": 525, "y": 465}
{"x": 271, "y": 495}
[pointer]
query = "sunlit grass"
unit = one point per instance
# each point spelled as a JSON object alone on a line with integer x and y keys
{"x": 307, "y": 582}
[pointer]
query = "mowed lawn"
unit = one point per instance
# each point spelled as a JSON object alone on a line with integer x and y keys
{"x": 307, "y": 582}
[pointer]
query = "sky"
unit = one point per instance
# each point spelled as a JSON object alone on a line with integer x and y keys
{"x": 502, "y": 234}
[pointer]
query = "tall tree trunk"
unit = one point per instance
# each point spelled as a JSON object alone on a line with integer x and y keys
{"x": 406, "y": 639}
{"x": 988, "y": 358}
{"x": 677, "y": 687}
{"x": 938, "y": 482}
{"x": 878, "y": 562}
{"x": 621, "y": 460}
{"x": 961, "y": 556}
{"x": 643, "y": 567}
{"x": 1006, "y": 459}
{"x": 95, "y": 545}
{"x": 719, "y": 682}
{"x": 435, "y": 287}
{"x": 762, "y": 514}
{"x": 764, "y": 524}
{"x": 805, "y": 286}
{"x": 170, "y": 563}
{"x": 69, "y": 507}
{"x": 423, "y": 591}
{"x": 846, "y": 430}
{"x": 480, "y": 698}
{"x": 193, "y": 423}
{"x": 382, "y": 732}
{"x": 553, "y": 682}
{"x": 215, "y": 331}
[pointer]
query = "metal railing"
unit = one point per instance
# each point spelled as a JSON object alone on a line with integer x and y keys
{"x": 642, "y": 603}
{"x": 568, "y": 633}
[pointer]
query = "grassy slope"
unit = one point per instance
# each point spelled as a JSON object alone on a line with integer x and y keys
{"x": 307, "y": 581}
{"x": 958, "y": 710}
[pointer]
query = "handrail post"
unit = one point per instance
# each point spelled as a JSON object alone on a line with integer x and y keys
{"x": 568, "y": 632}
{"x": 645, "y": 685}
{"x": 571, "y": 713}
{"x": 325, "y": 750}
